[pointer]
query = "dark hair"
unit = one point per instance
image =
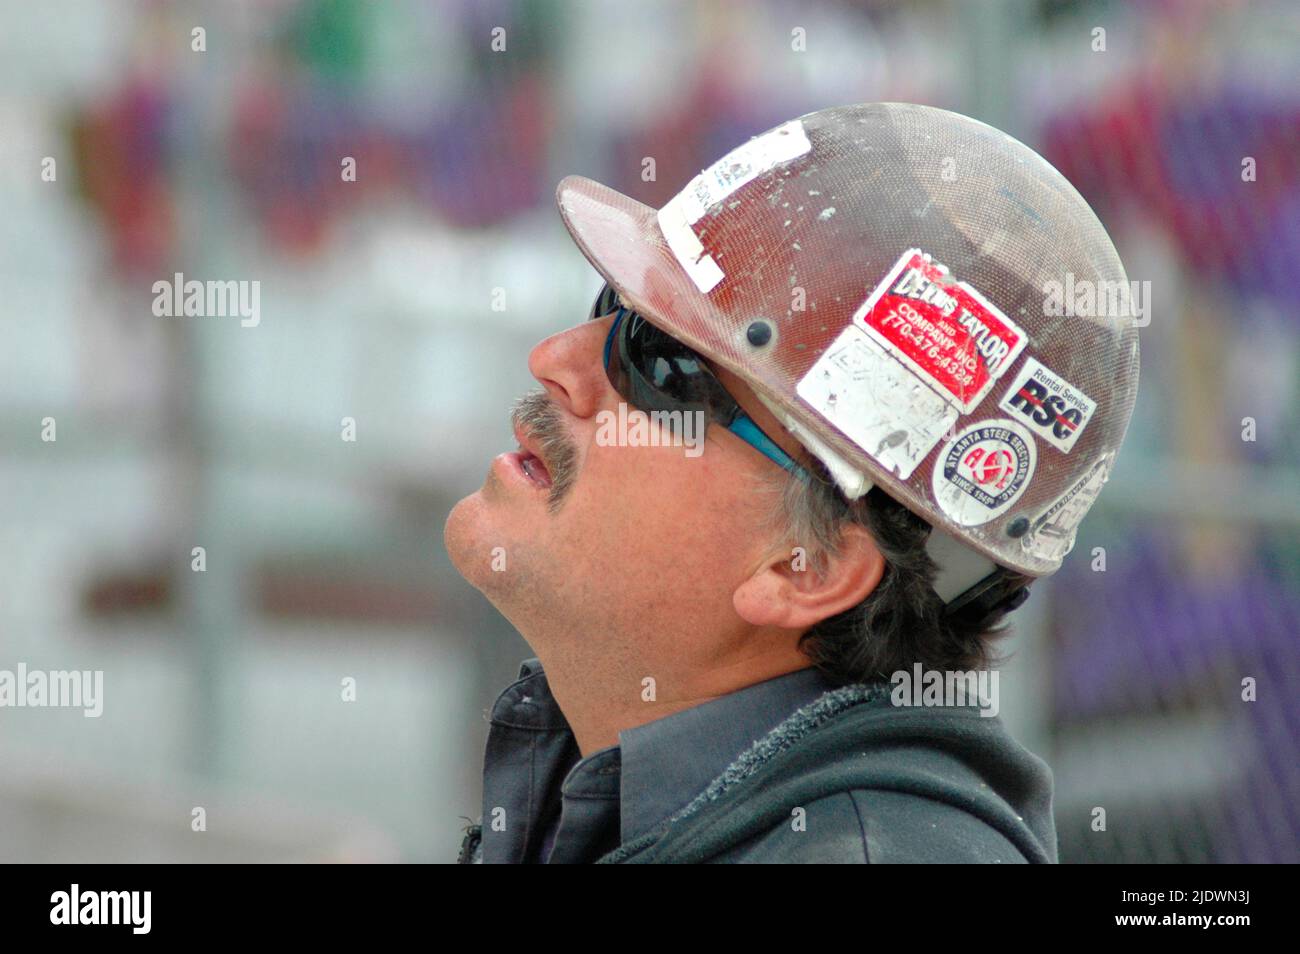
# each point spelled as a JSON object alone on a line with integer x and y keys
{"x": 902, "y": 621}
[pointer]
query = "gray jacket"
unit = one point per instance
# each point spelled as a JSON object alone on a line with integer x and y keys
{"x": 845, "y": 777}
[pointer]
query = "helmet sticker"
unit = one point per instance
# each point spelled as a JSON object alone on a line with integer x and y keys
{"x": 943, "y": 329}
{"x": 1051, "y": 406}
{"x": 983, "y": 470}
{"x": 687, "y": 248}
{"x": 876, "y": 402}
{"x": 1051, "y": 536}
{"x": 743, "y": 164}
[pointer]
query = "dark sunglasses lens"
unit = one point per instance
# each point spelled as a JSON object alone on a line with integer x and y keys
{"x": 665, "y": 363}
{"x": 651, "y": 369}
{"x": 664, "y": 374}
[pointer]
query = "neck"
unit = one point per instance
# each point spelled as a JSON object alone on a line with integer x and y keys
{"x": 600, "y": 698}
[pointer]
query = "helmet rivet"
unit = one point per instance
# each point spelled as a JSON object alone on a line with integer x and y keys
{"x": 759, "y": 333}
{"x": 1018, "y": 527}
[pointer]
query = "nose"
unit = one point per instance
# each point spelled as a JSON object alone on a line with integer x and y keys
{"x": 570, "y": 366}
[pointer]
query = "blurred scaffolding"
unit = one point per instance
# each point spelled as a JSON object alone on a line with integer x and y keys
{"x": 324, "y": 557}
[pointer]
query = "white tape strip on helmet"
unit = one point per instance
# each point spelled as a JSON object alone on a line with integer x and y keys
{"x": 852, "y": 482}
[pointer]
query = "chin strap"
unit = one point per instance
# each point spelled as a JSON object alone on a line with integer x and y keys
{"x": 968, "y": 579}
{"x": 961, "y": 569}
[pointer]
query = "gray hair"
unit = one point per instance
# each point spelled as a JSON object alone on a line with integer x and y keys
{"x": 902, "y": 621}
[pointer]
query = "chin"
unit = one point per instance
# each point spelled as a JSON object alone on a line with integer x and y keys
{"x": 474, "y": 528}
{"x": 462, "y": 536}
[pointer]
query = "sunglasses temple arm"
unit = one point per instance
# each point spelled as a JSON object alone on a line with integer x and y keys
{"x": 743, "y": 426}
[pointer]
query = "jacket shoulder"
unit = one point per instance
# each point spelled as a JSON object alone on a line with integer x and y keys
{"x": 866, "y": 826}
{"x": 825, "y": 831}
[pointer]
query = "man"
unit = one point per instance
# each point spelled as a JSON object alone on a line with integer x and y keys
{"x": 900, "y": 430}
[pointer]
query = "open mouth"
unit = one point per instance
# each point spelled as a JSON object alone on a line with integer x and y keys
{"x": 533, "y": 468}
{"x": 529, "y": 461}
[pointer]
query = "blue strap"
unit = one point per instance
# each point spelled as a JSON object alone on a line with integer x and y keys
{"x": 745, "y": 428}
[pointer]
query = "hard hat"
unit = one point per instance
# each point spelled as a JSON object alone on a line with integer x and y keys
{"x": 938, "y": 313}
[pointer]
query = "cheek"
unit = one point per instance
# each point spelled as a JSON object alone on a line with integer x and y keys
{"x": 686, "y": 520}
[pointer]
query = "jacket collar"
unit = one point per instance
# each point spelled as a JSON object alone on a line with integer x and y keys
{"x": 668, "y": 762}
{"x": 659, "y": 767}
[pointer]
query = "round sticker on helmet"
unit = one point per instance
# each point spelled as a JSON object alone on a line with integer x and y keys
{"x": 982, "y": 471}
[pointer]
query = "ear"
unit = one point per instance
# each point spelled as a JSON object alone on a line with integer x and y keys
{"x": 786, "y": 592}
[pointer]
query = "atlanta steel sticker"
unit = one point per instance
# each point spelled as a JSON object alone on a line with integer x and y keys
{"x": 943, "y": 329}
{"x": 1051, "y": 406}
{"x": 983, "y": 470}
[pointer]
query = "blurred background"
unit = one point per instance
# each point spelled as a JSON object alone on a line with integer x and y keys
{"x": 324, "y": 558}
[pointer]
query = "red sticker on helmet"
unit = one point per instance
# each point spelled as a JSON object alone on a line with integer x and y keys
{"x": 943, "y": 329}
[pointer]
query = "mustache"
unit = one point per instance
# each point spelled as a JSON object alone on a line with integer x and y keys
{"x": 537, "y": 414}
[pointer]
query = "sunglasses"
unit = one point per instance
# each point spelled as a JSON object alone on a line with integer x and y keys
{"x": 653, "y": 371}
